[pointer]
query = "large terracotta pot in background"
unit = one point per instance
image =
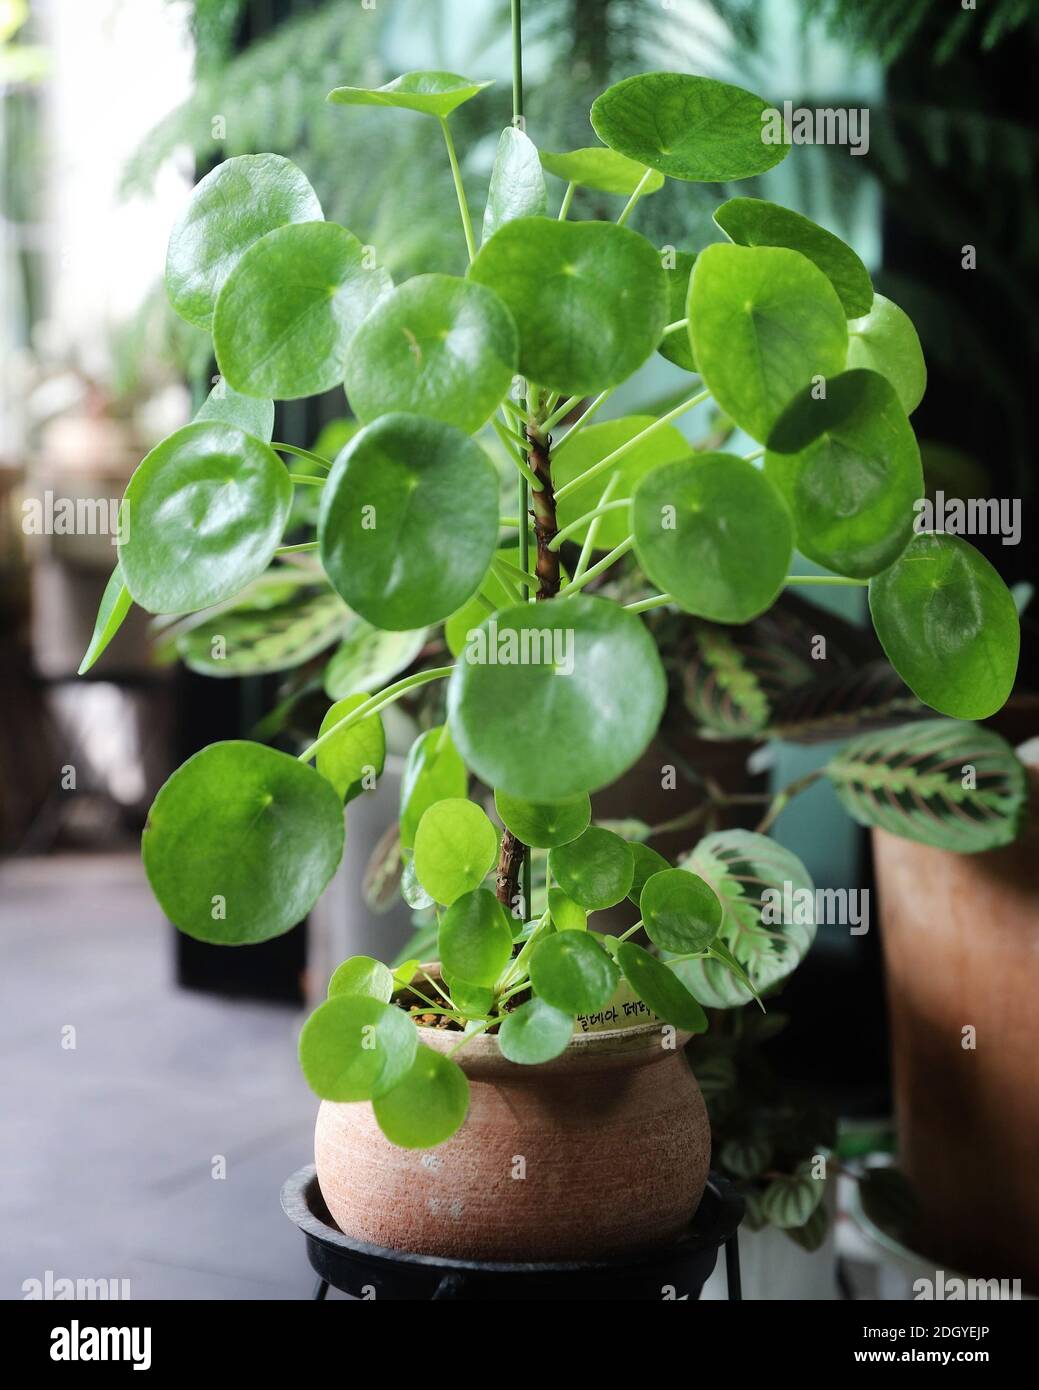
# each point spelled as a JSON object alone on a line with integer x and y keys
{"x": 961, "y": 947}
{"x": 602, "y": 1151}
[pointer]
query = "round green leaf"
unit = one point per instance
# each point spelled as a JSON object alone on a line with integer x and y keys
{"x": 427, "y": 1106}
{"x": 647, "y": 863}
{"x": 595, "y": 870}
{"x": 763, "y": 321}
{"x": 289, "y": 308}
{"x": 535, "y": 1033}
{"x": 354, "y": 1047}
{"x": 692, "y": 128}
{"x": 885, "y": 341}
{"x": 544, "y": 666}
{"x": 368, "y": 659}
{"x": 851, "y": 491}
{"x": 249, "y": 413}
{"x": 948, "y": 625}
{"x": 241, "y": 842}
{"x": 362, "y": 975}
{"x": 113, "y": 608}
{"x": 432, "y": 772}
{"x": 475, "y": 940}
{"x": 589, "y": 299}
{"x": 681, "y": 912}
{"x": 455, "y": 848}
{"x": 433, "y": 93}
{"x": 238, "y": 202}
{"x": 474, "y": 1001}
{"x": 597, "y": 442}
{"x": 517, "y": 188}
{"x": 409, "y": 521}
{"x": 565, "y": 913}
{"x": 660, "y": 988}
{"x": 473, "y": 611}
{"x": 435, "y": 346}
{"x": 357, "y": 752}
{"x": 206, "y": 511}
{"x": 677, "y": 347}
{"x": 597, "y": 166}
{"x": 716, "y": 534}
{"x": 755, "y": 222}
{"x": 544, "y": 824}
{"x": 572, "y": 972}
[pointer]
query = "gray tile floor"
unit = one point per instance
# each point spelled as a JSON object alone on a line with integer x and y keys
{"x": 108, "y": 1148}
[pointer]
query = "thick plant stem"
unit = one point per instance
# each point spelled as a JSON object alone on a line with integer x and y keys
{"x": 546, "y": 527}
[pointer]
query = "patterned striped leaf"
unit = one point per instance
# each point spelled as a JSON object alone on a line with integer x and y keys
{"x": 740, "y": 866}
{"x": 790, "y": 1201}
{"x": 844, "y": 702}
{"x": 267, "y": 632}
{"x": 953, "y": 785}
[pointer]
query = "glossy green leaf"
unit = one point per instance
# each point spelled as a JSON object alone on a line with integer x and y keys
{"x": 241, "y": 842}
{"x": 474, "y": 1001}
{"x": 595, "y": 870}
{"x": 455, "y": 848}
{"x": 565, "y": 913}
{"x": 851, "y": 491}
{"x": 271, "y": 626}
{"x": 428, "y": 1106}
{"x": 769, "y": 921}
{"x": 572, "y": 972}
{"x": 473, "y": 612}
{"x": 289, "y": 308}
{"x": 597, "y": 166}
{"x": 647, "y": 862}
{"x": 409, "y": 521}
{"x": 755, "y": 222}
{"x": 597, "y": 442}
{"x": 432, "y": 93}
{"x": 763, "y": 321}
{"x": 544, "y": 666}
{"x": 355, "y": 755}
{"x": 368, "y": 658}
{"x": 206, "y": 511}
{"x": 113, "y": 608}
{"x": 235, "y": 204}
{"x": 249, "y": 413}
{"x": 354, "y": 1047}
{"x": 948, "y": 625}
{"x": 475, "y": 940}
{"x": 681, "y": 912}
{"x": 688, "y": 127}
{"x": 885, "y": 341}
{"x": 544, "y": 824}
{"x": 411, "y": 890}
{"x": 715, "y": 533}
{"x": 517, "y": 187}
{"x": 660, "y": 988}
{"x": 677, "y": 347}
{"x": 589, "y": 298}
{"x": 953, "y": 785}
{"x": 435, "y": 346}
{"x": 433, "y": 770}
{"x": 362, "y": 975}
{"x": 535, "y": 1033}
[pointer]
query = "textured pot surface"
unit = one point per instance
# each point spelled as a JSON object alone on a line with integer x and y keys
{"x": 603, "y": 1151}
{"x": 961, "y": 949}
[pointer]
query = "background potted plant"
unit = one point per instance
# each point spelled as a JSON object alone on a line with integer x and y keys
{"x": 552, "y": 693}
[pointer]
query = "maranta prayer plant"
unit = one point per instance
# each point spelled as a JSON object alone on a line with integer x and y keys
{"x": 553, "y": 692}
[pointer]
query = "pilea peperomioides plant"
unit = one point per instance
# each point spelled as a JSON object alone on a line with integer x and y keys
{"x": 553, "y": 692}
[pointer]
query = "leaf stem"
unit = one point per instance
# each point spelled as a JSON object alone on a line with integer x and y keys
{"x": 573, "y": 526}
{"x": 305, "y": 480}
{"x": 302, "y": 454}
{"x": 754, "y": 453}
{"x": 629, "y": 206}
{"x": 505, "y": 580}
{"x": 632, "y": 443}
{"x": 527, "y": 473}
{"x": 302, "y": 549}
{"x": 585, "y": 558}
{"x": 580, "y": 423}
{"x": 456, "y": 174}
{"x": 374, "y": 704}
{"x": 617, "y": 553}
{"x": 825, "y": 579}
{"x": 514, "y": 570}
{"x": 782, "y": 799}
{"x": 568, "y": 198}
{"x": 674, "y": 327}
{"x": 645, "y": 604}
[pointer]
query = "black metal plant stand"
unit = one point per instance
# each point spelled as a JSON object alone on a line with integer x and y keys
{"x": 678, "y": 1271}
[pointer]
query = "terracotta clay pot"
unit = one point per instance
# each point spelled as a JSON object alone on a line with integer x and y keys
{"x": 961, "y": 948}
{"x": 603, "y": 1151}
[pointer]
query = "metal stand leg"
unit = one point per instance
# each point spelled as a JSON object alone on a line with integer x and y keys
{"x": 320, "y": 1290}
{"x": 732, "y": 1268}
